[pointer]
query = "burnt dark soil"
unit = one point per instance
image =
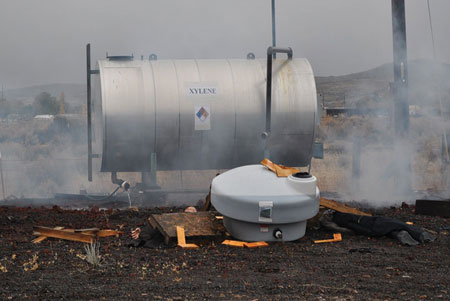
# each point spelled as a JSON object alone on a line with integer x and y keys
{"x": 356, "y": 268}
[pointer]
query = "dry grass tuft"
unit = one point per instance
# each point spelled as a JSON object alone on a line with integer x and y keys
{"x": 93, "y": 253}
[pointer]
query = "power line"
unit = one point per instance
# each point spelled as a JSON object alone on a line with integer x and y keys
{"x": 431, "y": 30}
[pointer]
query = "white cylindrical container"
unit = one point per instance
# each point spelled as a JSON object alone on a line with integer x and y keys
{"x": 256, "y": 204}
{"x": 203, "y": 114}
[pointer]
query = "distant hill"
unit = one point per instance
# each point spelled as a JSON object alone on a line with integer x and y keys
{"x": 351, "y": 88}
{"x": 73, "y": 93}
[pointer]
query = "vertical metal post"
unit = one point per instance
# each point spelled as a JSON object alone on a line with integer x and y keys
{"x": 356, "y": 166}
{"x": 401, "y": 108}
{"x": 149, "y": 178}
{"x": 3, "y": 179}
{"x": 274, "y": 37}
{"x": 269, "y": 93}
{"x": 153, "y": 168}
{"x": 270, "y": 52}
{"x": 88, "y": 104}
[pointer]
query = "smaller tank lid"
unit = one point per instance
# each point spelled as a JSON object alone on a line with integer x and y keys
{"x": 302, "y": 175}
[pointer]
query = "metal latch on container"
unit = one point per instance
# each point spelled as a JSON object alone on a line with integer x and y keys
{"x": 265, "y": 211}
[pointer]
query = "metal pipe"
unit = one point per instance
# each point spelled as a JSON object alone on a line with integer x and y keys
{"x": 88, "y": 104}
{"x": 270, "y": 51}
{"x": 274, "y": 38}
{"x": 122, "y": 184}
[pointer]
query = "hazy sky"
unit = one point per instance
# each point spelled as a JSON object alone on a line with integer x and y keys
{"x": 44, "y": 41}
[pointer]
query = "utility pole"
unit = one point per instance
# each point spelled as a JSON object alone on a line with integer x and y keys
{"x": 3, "y": 179}
{"x": 402, "y": 154}
{"x": 401, "y": 107}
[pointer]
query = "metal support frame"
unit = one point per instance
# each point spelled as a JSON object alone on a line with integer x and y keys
{"x": 274, "y": 37}
{"x": 270, "y": 51}
{"x": 89, "y": 72}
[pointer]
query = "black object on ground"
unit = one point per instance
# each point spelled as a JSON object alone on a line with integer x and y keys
{"x": 433, "y": 207}
{"x": 380, "y": 226}
{"x": 148, "y": 238}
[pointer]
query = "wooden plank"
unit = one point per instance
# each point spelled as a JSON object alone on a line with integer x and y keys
{"x": 153, "y": 222}
{"x": 50, "y": 232}
{"x": 341, "y": 207}
{"x": 280, "y": 170}
{"x": 157, "y": 226}
{"x": 207, "y": 205}
{"x": 87, "y": 230}
{"x": 234, "y": 243}
{"x": 241, "y": 244}
{"x": 39, "y": 239}
{"x": 189, "y": 246}
{"x": 180, "y": 236}
{"x": 182, "y": 240}
{"x": 433, "y": 207}
{"x": 107, "y": 232}
{"x": 256, "y": 244}
{"x": 43, "y": 237}
{"x": 198, "y": 224}
{"x": 336, "y": 237}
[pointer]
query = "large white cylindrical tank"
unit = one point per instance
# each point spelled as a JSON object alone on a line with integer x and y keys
{"x": 203, "y": 114}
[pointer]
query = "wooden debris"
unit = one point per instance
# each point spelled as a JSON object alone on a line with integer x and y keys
{"x": 42, "y": 237}
{"x": 39, "y": 239}
{"x": 341, "y": 207}
{"x": 336, "y": 237}
{"x": 182, "y": 240}
{"x": 207, "y": 205}
{"x": 234, "y": 243}
{"x": 84, "y": 230}
{"x": 280, "y": 170}
{"x": 241, "y": 244}
{"x": 82, "y": 235}
{"x": 50, "y": 232}
{"x": 106, "y": 233}
{"x": 256, "y": 244}
{"x": 199, "y": 224}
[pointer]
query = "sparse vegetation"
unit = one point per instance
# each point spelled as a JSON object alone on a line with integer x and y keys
{"x": 44, "y": 103}
{"x": 93, "y": 253}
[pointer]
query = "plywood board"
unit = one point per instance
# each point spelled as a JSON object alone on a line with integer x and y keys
{"x": 197, "y": 224}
